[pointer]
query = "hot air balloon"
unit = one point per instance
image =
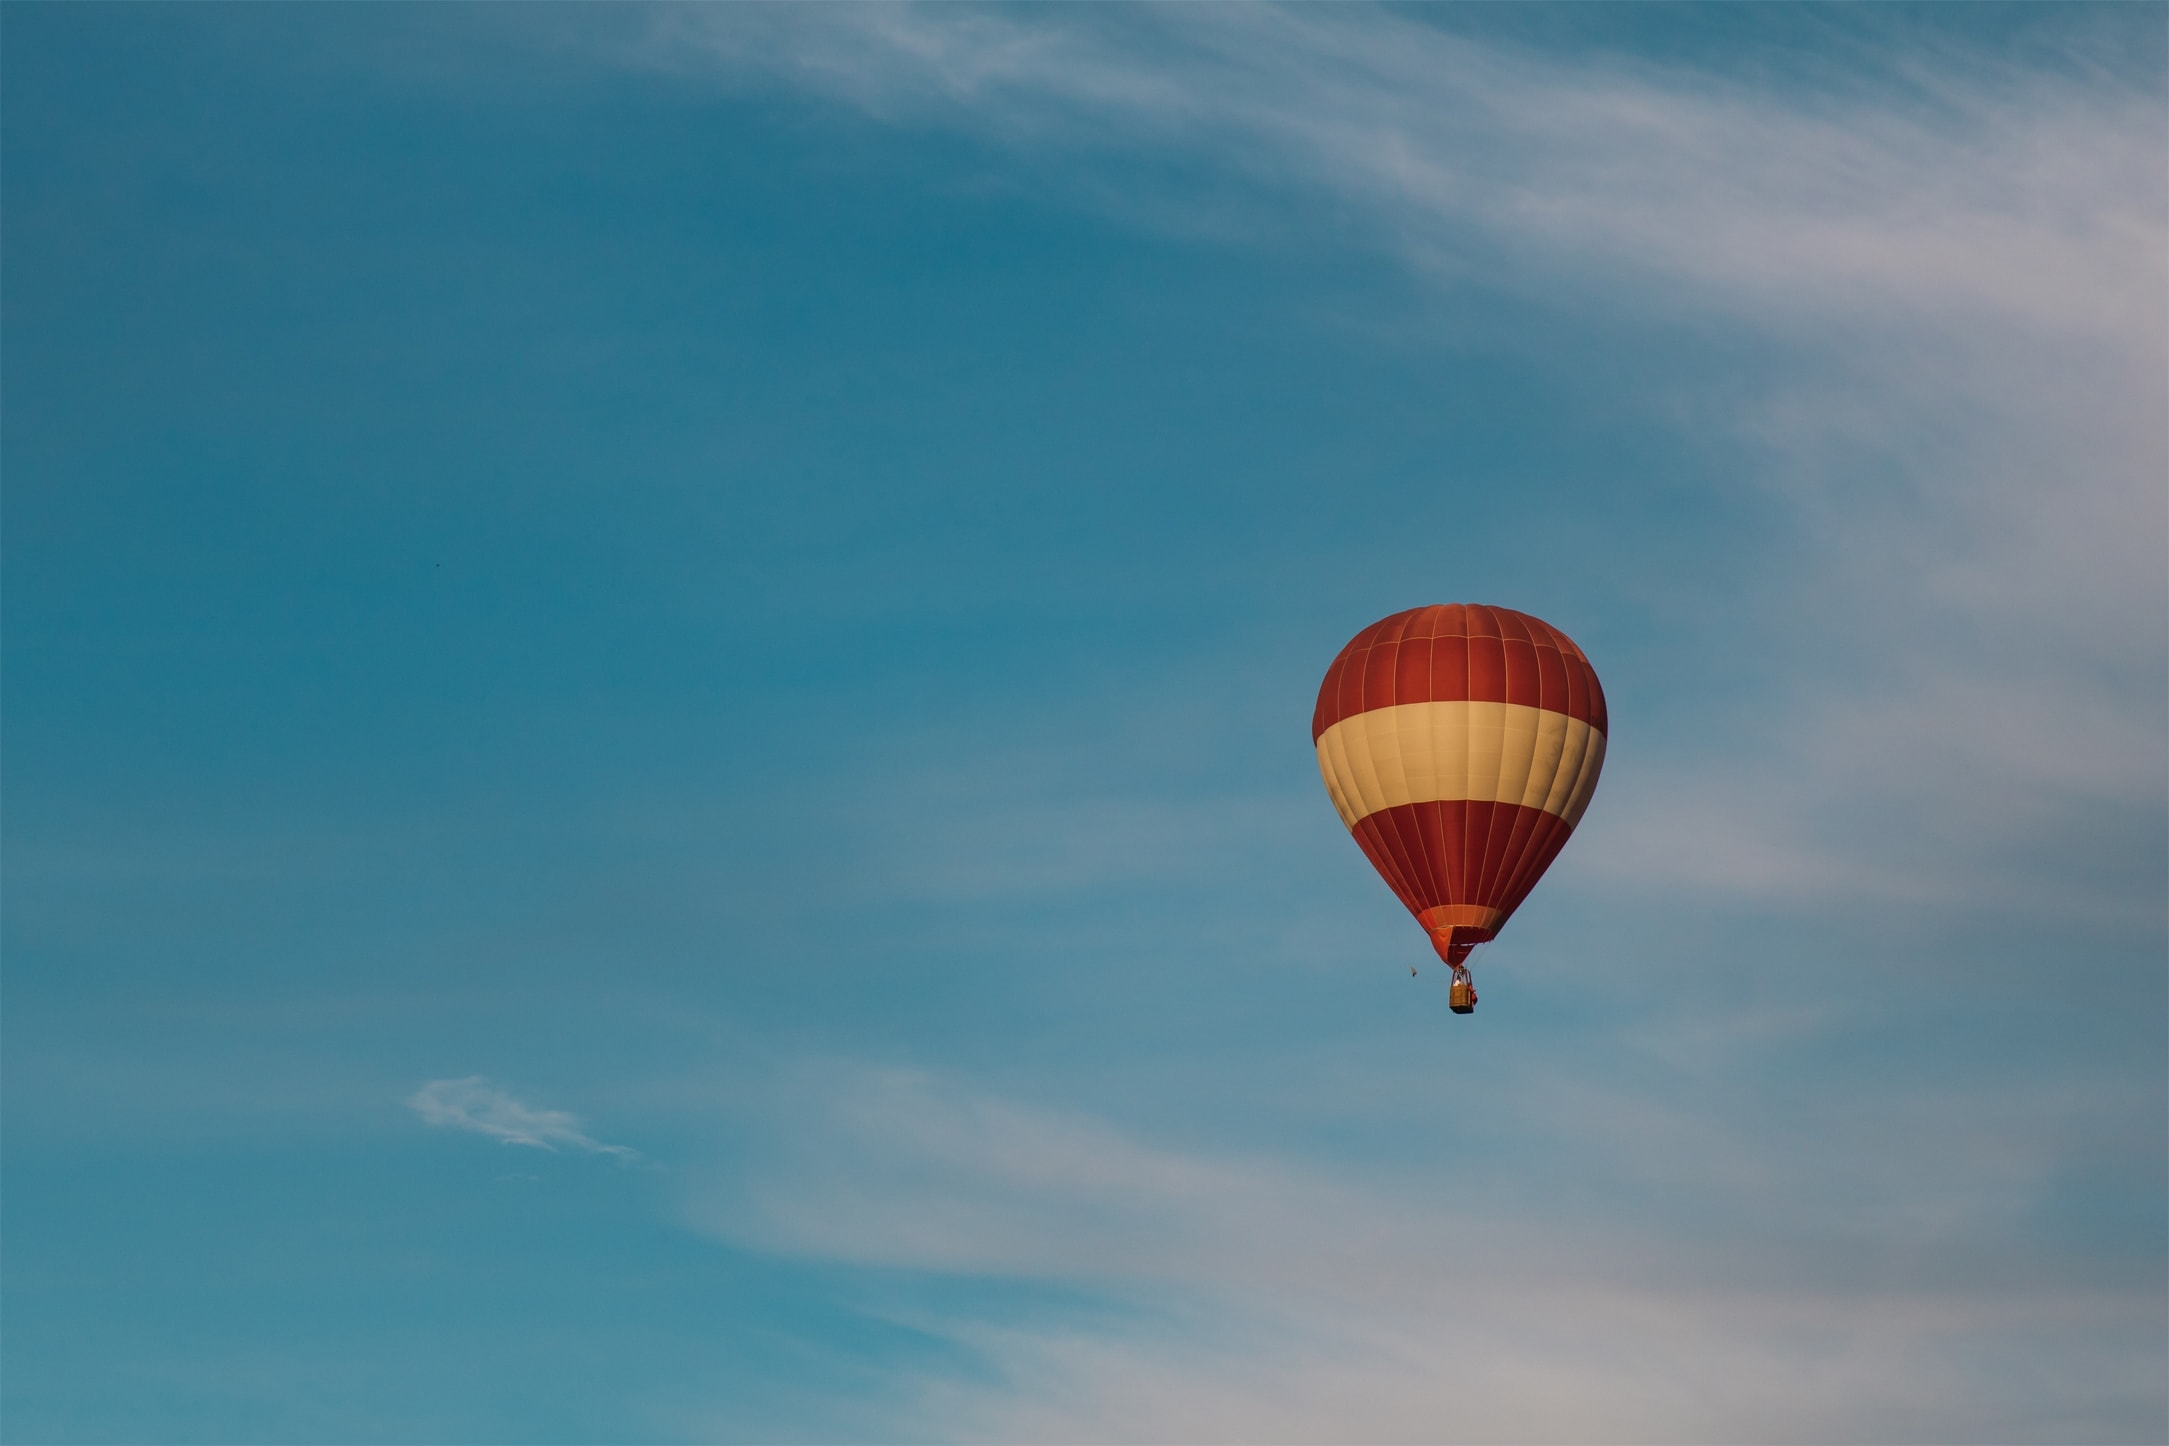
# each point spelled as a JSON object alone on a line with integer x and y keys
{"x": 1460, "y": 744}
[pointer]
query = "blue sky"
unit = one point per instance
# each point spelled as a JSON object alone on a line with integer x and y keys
{"x": 657, "y": 678}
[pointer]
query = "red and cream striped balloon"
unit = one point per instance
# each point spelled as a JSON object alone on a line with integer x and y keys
{"x": 1460, "y": 744}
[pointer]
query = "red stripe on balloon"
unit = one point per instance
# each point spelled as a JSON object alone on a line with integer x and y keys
{"x": 1462, "y": 851}
{"x": 1451, "y": 652}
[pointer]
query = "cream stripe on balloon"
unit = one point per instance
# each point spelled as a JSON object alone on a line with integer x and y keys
{"x": 1439, "y": 752}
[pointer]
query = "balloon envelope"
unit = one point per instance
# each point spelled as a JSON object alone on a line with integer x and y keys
{"x": 1460, "y": 744}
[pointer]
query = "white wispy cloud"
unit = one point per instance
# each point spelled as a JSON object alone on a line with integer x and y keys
{"x": 1268, "y": 1300}
{"x": 475, "y": 1104}
{"x": 1972, "y": 187}
{"x": 1953, "y": 256}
